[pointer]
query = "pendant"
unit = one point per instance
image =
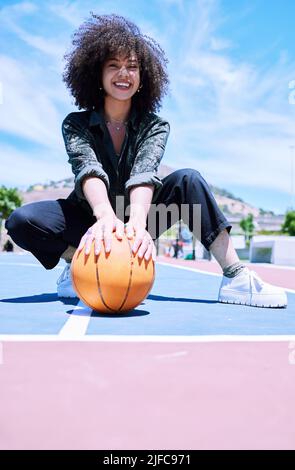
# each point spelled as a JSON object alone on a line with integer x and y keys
{"x": 114, "y": 126}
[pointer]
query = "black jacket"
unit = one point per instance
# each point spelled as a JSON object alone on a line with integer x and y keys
{"x": 91, "y": 152}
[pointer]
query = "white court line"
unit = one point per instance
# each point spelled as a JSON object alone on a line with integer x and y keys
{"x": 188, "y": 269}
{"x": 210, "y": 274}
{"x": 271, "y": 266}
{"x": 76, "y": 326}
{"x": 152, "y": 338}
{"x": 34, "y": 265}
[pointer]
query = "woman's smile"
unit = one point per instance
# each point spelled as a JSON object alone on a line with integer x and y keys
{"x": 121, "y": 85}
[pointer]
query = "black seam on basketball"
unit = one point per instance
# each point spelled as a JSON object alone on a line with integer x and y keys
{"x": 100, "y": 291}
{"x": 127, "y": 291}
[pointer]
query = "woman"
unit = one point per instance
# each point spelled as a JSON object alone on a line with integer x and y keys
{"x": 118, "y": 77}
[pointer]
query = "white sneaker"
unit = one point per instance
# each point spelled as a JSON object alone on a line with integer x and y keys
{"x": 248, "y": 289}
{"x": 64, "y": 283}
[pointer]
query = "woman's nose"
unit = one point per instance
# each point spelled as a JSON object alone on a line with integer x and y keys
{"x": 123, "y": 71}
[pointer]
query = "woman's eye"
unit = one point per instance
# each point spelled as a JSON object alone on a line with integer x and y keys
{"x": 130, "y": 66}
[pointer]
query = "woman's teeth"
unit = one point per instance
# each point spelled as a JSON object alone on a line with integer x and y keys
{"x": 124, "y": 86}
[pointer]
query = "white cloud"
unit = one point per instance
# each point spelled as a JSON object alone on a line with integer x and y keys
{"x": 232, "y": 119}
{"x": 50, "y": 47}
{"x": 217, "y": 44}
{"x": 11, "y": 18}
{"x": 28, "y": 109}
{"x": 20, "y": 8}
{"x": 68, "y": 11}
{"x": 22, "y": 168}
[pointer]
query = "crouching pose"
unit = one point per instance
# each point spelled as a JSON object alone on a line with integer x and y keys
{"x": 115, "y": 143}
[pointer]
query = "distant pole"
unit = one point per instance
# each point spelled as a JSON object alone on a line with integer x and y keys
{"x": 193, "y": 247}
{"x": 291, "y": 147}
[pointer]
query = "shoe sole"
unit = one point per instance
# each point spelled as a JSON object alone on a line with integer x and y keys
{"x": 253, "y": 304}
{"x": 264, "y": 301}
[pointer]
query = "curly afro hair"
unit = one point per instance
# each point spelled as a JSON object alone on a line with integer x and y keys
{"x": 94, "y": 42}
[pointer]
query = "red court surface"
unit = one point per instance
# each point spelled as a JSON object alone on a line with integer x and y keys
{"x": 94, "y": 395}
{"x": 283, "y": 276}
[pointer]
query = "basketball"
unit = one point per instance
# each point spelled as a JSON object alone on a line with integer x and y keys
{"x": 112, "y": 282}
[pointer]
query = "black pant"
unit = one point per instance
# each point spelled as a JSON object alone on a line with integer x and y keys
{"x": 47, "y": 228}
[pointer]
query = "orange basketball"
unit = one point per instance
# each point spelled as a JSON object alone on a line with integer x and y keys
{"x": 112, "y": 282}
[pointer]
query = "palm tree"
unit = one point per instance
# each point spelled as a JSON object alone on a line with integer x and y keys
{"x": 247, "y": 225}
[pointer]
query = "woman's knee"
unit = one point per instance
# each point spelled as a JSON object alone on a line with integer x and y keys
{"x": 41, "y": 214}
{"x": 16, "y": 221}
{"x": 188, "y": 173}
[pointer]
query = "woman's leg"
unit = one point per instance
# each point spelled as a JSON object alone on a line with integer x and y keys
{"x": 223, "y": 250}
{"x": 188, "y": 192}
{"x": 239, "y": 285}
{"x": 47, "y": 228}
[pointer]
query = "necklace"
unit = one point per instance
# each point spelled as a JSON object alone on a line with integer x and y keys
{"x": 115, "y": 126}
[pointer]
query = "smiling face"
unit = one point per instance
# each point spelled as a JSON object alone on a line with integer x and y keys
{"x": 121, "y": 77}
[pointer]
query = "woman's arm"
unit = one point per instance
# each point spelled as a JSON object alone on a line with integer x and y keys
{"x": 149, "y": 154}
{"x": 80, "y": 147}
{"x": 95, "y": 191}
{"x": 140, "y": 203}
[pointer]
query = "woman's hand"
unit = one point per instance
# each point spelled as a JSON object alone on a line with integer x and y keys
{"x": 100, "y": 232}
{"x": 143, "y": 240}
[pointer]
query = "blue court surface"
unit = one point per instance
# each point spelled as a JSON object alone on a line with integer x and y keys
{"x": 181, "y": 303}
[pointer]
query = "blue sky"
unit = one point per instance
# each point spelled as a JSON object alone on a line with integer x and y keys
{"x": 230, "y": 106}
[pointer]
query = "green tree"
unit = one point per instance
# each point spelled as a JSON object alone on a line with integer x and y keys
{"x": 247, "y": 225}
{"x": 10, "y": 199}
{"x": 289, "y": 223}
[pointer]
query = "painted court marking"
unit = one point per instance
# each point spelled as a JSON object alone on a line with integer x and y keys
{"x": 76, "y": 326}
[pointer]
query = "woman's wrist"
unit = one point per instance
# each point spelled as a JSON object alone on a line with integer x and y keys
{"x": 139, "y": 222}
{"x": 102, "y": 209}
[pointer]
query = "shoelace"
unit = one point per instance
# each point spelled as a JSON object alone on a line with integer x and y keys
{"x": 65, "y": 273}
{"x": 255, "y": 281}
